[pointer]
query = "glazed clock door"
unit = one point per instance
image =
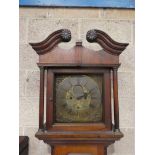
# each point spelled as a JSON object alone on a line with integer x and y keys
{"x": 78, "y": 98}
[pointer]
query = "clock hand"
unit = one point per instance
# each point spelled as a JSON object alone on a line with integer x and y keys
{"x": 79, "y": 97}
{"x": 90, "y": 91}
{"x": 84, "y": 95}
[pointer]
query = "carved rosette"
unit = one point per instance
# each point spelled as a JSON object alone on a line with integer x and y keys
{"x": 91, "y": 36}
{"x": 66, "y": 35}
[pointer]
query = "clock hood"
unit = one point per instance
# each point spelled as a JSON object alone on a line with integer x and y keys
{"x": 52, "y": 55}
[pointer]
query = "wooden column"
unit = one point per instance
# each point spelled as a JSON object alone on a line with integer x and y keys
{"x": 41, "y": 99}
{"x": 49, "y": 99}
{"x": 116, "y": 104}
{"x": 52, "y": 150}
{"x": 105, "y": 151}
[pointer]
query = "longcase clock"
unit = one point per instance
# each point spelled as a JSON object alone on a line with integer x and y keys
{"x": 76, "y": 87}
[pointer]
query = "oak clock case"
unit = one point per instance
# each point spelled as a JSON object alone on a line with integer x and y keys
{"x": 78, "y": 85}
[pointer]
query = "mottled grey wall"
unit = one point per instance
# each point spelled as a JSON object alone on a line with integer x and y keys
{"x": 35, "y": 25}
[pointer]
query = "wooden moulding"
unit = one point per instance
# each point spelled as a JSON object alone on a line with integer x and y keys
{"x": 50, "y": 54}
{"x": 78, "y": 137}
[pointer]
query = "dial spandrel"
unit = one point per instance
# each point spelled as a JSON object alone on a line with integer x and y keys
{"x": 78, "y": 98}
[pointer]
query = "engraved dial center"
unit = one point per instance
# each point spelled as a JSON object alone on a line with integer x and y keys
{"x": 78, "y": 98}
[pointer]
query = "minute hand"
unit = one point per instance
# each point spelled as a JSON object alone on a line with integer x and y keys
{"x": 90, "y": 91}
{"x": 84, "y": 95}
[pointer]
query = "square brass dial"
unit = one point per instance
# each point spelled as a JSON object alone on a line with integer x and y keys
{"x": 78, "y": 98}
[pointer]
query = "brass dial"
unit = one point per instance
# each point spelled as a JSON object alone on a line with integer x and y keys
{"x": 78, "y": 99}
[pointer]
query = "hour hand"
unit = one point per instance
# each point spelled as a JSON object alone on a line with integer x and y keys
{"x": 84, "y": 95}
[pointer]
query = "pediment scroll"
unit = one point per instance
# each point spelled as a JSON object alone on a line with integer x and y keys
{"x": 105, "y": 41}
{"x": 62, "y": 35}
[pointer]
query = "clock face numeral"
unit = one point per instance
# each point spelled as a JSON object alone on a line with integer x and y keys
{"x": 78, "y": 99}
{"x": 83, "y": 81}
{"x": 78, "y": 80}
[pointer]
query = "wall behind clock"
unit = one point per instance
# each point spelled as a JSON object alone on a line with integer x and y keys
{"x": 36, "y": 24}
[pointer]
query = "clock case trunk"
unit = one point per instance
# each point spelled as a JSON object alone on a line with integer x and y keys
{"x": 79, "y": 60}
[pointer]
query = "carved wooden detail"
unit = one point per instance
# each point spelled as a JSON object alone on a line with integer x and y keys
{"x": 66, "y": 35}
{"x": 106, "y": 42}
{"x": 63, "y": 35}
